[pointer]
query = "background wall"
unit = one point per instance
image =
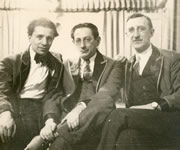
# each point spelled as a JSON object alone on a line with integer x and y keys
{"x": 109, "y": 17}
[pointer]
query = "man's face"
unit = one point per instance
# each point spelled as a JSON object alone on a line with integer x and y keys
{"x": 139, "y": 33}
{"x": 85, "y": 42}
{"x": 41, "y": 39}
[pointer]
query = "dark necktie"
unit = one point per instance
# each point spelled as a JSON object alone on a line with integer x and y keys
{"x": 87, "y": 73}
{"x": 136, "y": 66}
{"x": 44, "y": 60}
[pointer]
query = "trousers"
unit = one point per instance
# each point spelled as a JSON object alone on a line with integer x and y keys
{"x": 147, "y": 129}
{"x": 28, "y": 123}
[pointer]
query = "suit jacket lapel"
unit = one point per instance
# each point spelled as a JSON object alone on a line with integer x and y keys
{"x": 156, "y": 64}
{"x": 24, "y": 70}
{"x": 98, "y": 67}
{"x": 55, "y": 70}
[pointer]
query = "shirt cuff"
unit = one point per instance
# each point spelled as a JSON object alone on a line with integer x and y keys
{"x": 49, "y": 116}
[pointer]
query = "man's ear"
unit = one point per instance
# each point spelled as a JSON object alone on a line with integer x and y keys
{"x": 152, "y": 32}
{"x": 98, "y": 39}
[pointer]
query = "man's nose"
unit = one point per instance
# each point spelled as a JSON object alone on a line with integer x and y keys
{"x": 136, "y": 33}
{"x": 44, "y": 41}
{"x": 82, "y": 44}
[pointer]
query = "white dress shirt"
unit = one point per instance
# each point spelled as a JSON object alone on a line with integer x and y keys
{"x": 143, "y": 58}
{"x": 35, "y": 85}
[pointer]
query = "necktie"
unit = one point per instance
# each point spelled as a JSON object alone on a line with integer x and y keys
{"x": 39, "y": 59}
{"x": 136, "y": 66}
{"x": 44, "y": 60}
{"x": 87, "y": 73}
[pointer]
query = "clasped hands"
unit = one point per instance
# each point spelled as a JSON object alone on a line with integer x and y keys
{"x": 72, "y": 119}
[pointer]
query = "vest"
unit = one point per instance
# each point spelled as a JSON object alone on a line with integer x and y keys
{"x": 143, "y": 88}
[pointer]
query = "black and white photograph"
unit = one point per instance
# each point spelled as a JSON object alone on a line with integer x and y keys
{"x": 89, "y": 75}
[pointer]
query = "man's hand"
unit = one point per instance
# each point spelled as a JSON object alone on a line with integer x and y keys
{"x": 48, "y": 132}
{"x": 7, "y": 126}
{"x": 72, "y": 118}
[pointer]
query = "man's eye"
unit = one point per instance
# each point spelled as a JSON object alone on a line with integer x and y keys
{"x": 39, "y": 36}
{"x": 77, "y": 41}
{"x": 50, "y": 39}
{"x": 141, "y": 29}
{"x": 87, "y": 40}
{"x": 131, "y": 30}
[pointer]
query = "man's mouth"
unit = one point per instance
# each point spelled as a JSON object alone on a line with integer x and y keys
{"x": 84, "y": 51}
{"x": 43, "y": 48}
{"x": 137, "y": 41}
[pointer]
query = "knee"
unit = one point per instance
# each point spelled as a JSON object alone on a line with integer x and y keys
{"x": 117, "y": 117}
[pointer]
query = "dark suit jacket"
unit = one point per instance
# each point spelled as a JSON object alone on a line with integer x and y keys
{"x": 13, "y": 74}
{"x": 167, "y": 69}
{"x": 107, "y": 78}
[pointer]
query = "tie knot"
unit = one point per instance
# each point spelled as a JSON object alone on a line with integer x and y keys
{"x": 87, "y": 61}
{"x": 38, "y": 58}
{"x": 43, "y": 59}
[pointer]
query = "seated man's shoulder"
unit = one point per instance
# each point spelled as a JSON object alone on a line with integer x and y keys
{"x": 170, "y": 55}
{"x": 108, "y": 58}
{"x": 58, "y": 56}
{"x": 12, "y": 58}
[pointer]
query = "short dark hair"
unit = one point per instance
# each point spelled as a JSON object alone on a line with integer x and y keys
{"x": 44, "y": 22}
{"x": 137, "y": 15}
{"x": 91, "y": 26}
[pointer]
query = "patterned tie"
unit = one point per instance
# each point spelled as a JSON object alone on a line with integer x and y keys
{"x": 87, "y": 73}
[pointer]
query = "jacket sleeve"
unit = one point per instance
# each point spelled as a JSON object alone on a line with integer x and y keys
{"x": 6, "y": 88}
{"x": 51, "y": 101}
{"x": 103, "y": 102}
{"x": 51, "y": 106}
{"x": 172, "y": 80}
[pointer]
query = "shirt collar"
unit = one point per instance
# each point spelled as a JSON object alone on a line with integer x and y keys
{"x": 92, "y": 59}
{"x": 32, "y": 54}
{"x": 145, "y": 55}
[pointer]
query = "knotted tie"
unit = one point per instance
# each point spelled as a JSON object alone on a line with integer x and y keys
{"x": 87, "y": 73}
{"x": 136, "y": 66}
{"x": 44, "y": 60}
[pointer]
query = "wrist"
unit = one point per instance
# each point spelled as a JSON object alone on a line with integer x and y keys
{"x": 49, "y": 121}
{"x": 80, "y": 107}
{"x": 7, "y": 113}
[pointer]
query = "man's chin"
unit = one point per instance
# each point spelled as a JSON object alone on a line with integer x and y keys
{"x": 42, "y": 53}
{"x": 139, "y": 49}
{"x": 84, "y": 57}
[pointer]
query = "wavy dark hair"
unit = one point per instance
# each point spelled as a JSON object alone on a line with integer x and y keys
{"x": 44, "y": 22}
{"x": 91, "y": 26}
{"x": 137, "y": 15}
